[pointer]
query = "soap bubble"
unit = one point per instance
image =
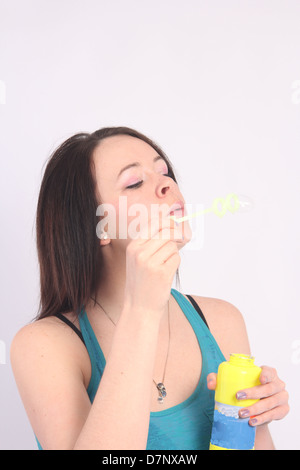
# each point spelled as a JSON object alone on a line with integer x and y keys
{"x": 246, "y": 203}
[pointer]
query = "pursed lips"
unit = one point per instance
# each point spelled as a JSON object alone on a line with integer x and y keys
{"x": 177, "y": 207}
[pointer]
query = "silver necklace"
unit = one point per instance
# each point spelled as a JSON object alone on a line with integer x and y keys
{"x": 162, "y": 393}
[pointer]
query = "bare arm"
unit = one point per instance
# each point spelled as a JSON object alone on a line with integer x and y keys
{"x": 47, "y": 364}
{"x": 54, "y": 394}
{"x": 120, "y": 414}
{"x": 43, "y": 357}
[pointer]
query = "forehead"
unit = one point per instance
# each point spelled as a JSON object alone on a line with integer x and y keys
{"x": 115, "y": 152}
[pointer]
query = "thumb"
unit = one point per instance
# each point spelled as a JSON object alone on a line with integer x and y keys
{"x": 212, "y": 381}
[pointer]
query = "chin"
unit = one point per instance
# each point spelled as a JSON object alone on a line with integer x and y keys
{"x": 187, "y": 234}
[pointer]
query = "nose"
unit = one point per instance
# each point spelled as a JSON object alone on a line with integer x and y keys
{"x": 163, "y": 188}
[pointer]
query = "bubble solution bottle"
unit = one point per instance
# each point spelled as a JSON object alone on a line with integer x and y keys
{"x": 229, "y": 431}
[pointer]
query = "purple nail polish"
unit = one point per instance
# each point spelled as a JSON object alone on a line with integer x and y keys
{"x": 241, "y": 395}
{"x": 253, "y": 421}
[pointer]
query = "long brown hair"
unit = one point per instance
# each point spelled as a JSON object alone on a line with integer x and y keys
{"x": 68, "y": 248}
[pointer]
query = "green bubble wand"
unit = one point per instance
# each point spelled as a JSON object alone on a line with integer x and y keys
{"x": 232, "y": 203}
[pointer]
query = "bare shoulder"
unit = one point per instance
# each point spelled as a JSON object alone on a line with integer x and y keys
{"x": 218, "y": 309}
{"x": 48, "y": 361}
{"x": 33, "y": 338}
{"x": 226, "y": 324}
{"x": 45, "y": 343}
{"x": 41, "y": 334}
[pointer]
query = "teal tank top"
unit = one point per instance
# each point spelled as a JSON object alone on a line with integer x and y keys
{"x": 188, "y": 425}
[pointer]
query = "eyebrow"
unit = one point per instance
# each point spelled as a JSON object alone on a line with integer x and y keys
{"x": 158, "y": 157}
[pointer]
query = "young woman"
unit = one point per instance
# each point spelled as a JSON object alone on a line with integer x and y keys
{"x": 116, "y": 358}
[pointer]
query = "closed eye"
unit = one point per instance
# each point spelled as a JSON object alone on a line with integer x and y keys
{"x": 139, "y": 183}
{"x": 136, "y": 185}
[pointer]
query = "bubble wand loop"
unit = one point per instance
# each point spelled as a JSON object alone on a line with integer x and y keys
{"x": 226, "y": 205}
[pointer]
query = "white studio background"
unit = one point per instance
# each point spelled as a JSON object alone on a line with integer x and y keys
{"x": 217, "y": 84}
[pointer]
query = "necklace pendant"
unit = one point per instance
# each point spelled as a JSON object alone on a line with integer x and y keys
{"x": 162, "y": 392}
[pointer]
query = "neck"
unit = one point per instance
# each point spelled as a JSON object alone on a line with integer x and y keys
{"x": 110, "y": 290}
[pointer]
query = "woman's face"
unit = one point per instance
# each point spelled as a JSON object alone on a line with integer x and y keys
{"x": 132, "y": 179}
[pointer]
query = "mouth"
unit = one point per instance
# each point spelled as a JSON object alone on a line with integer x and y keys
{"x": 177, "y": 209}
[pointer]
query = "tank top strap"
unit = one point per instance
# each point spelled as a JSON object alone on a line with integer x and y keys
{"x": 209, "y": 347}
{"x": 197, "y": 308}
{"x": 95, "y": 353}
{"x": 71, "y": 325}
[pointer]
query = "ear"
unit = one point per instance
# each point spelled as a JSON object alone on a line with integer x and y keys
{"x": 104, "y": 239}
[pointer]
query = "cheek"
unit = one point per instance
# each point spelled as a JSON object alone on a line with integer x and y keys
{"x": 129, "y": 208}
{"x": 115, "y": 217}
{"x": 122, "y": 219}
{"x": 132, "y": 215}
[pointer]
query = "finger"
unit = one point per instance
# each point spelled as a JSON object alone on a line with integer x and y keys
{"x": 264, "y": 405}
{"x": 151, "y": 230}
{"x": 159, "y": 244}
{"x": 152, "y": 247}
{"x": 164, "y": 252}
{"x": 274, "y": 414}
{"x": 159, "y": 250}
{"x": 169, "y": 233}
{"x": 156, "y": 224}
{"x": 271, "y": 384}
{"x": 212, "y": 381}
{"x": 260, "y": 391}
{"x": 268, "y": 374}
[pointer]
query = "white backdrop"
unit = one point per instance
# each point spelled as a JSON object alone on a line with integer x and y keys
{"x": 217, "y": 85}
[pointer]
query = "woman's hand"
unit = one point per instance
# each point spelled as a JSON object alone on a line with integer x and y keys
{"x": 151, "y": 263}
{"x": 273, "y": 404}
